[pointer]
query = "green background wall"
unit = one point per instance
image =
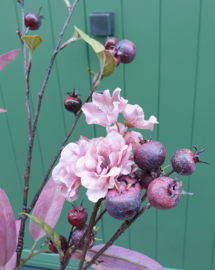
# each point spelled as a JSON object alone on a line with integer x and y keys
{"x": 172, "y": 77}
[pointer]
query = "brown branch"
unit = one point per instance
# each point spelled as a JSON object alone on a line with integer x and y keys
{"x": 144, "y": 197}
{"x": 100, "y": 216}
{"x": 169, "y": 173}
{"x": 89, "y": 232}
{"x": 27, "y": 174}
{"x": 36, "y": 196}
{"x": 126, "y": 224}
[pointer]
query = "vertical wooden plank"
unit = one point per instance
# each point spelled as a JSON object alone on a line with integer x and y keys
{"x": 141, "y": 80}
{"x": 198, "y": 246}
{"x": 111, "y": 83}
{"x": 179, "y": 33}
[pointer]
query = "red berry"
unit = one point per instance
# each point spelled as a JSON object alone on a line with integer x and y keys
{"x": 123, "y": 203}
{"x": 184, "y": 161}
{"x": 110, "y": 43}
{"x": 78, "y": 233}
{"x": 164, "y": 193}
{"x": 77, "y": 216}
{"x": 115, "y": 56}
{"x": 126, "y": 50}
{"x": 73, "y": 103}
{"x": 125, "y": 180}
{"x": 33, "y": 20}
{"x": 52, "y": 247}
{"x": 150, "y": 155}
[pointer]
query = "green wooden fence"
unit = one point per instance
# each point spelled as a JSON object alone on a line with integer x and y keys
{"x": 172, "y": 77}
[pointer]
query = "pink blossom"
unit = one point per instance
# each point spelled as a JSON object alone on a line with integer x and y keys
{"x": 64, "y": 173}
{"x": 105, "y": 160}
{"x": 132, "y": 137}
{"x": 134, "y": 116}
{"x": 2, "y": 110}
{"x": 104, "y": 109}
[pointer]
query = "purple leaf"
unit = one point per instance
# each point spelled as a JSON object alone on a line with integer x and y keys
{"x": 7, "y": 58}
{"x": 2, "y": 110}
{"x": 119, "y": 264}
{"x": 48, "y": 208}
{"x": 7, "y": 230}
{"x": 12, "y": 262}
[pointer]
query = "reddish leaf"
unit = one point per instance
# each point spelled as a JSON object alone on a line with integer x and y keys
{"x": 119, "y": 264}
{"x": 48, "y": 208}
{"x": 7, "y": 230}
{"x": 7, "y": 58}
{"x": 12, "y": 262}
{"x": 2, "y": 110}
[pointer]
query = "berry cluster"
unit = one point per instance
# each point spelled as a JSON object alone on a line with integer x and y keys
{"x": 123, "y": 202}
{"x": 123, "y": 51}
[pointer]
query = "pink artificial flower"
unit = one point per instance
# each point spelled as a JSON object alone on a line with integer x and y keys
{"x": 104, "y": 109}
{"x": 2, "y": 110}
{"x": 132, "y": 137}
{"x": 106, "y": 159}
{"x": 134, "y": 116}
{"x": 64, "y": 173}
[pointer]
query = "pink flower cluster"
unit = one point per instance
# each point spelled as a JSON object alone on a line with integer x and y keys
{"x": 96, "y": 164}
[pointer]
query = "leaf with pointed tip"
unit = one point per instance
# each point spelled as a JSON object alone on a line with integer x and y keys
{"x": 32, "y": 43}
{"x": 128, "y": 259}
{"x": 12, "y": 262}
{"x": 7, "y": 58}
{"x": 2, "y": 110}
{"x": 7, "y": 230}
{"x": 52, "y": 234}
{"x": 48, "y": 208}
{"x": 107, "y": 62}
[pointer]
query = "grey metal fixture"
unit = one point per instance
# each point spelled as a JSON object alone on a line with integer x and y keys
{"x": 102, "y": 24}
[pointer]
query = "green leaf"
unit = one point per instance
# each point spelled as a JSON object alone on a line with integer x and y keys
{"x": 32, "y": 43}
{"x": 52, "y": 234}
{"x": 107, "y": 62}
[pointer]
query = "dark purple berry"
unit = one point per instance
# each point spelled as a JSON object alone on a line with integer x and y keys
{"x": 125, "y": 180}
{"x": 126, "y": 50}
{"x": 33, "y": 20}
{"x": 78, "y": 233}
{"x": 147, "y": 177}
{"x": 52, "y": 247}
{"x": 164, "y": 193}
{"x": 73, "y": 103}
{"x": 184, "y": 161}
{"x": 150, "y": 155}
{"x": 110, "y": 42}
{"x": 123, "y": 203}
{"x": 77, "y": 216}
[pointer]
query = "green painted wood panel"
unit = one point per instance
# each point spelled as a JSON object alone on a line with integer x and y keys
{"x": 172, "y": 78}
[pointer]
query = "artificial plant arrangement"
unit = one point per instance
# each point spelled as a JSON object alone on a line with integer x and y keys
{"x": 114, "y": 169}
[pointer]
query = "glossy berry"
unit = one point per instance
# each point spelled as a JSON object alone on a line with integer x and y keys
{"x": 33, "y": 20}
{"x": 184, "y": 161}
{"x": 164, "y": 193}
{"x": 150, "y": 155}
{"x": 123, "y": 203}
{"x": 52, "y": 247}
{"x": 73, "y": 103}
{"x": 78, "y": 233}
{"x": 126, "y": 50}
{"x": 110, "y": 42}
{"x": 77, "y": 216}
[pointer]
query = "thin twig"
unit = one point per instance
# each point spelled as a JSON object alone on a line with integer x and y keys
{"x": 31, "y": 256}
{"x": 144, "y": 197}
{"x": 120, "y": 231}
{"x": 169, "y": 173}
{"x": 58, "y": 154}
{"x": 70, "y": 235}
{"x": 100, "y": 216}
{"x": 27, "y": 174}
